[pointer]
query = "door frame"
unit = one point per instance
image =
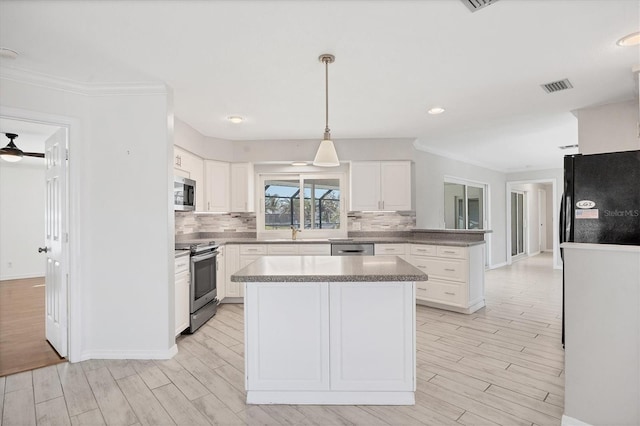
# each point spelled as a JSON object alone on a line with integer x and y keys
{"x": 557, "y": 264}
{"x": 525, "y": 225}
{"x": 71, "y": 248}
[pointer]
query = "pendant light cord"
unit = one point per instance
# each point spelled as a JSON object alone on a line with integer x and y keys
{"x": 326, "y": 99}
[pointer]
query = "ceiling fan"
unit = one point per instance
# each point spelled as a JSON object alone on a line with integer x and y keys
{"x": 12, "y": 153}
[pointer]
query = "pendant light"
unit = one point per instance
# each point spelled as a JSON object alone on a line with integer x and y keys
{"x": 326, "y": 155}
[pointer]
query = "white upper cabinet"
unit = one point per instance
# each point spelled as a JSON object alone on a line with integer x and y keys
{"x": 380, "y": 185}
{"x": 217, "y": 186}
{"x": 242, "y": 192}
{"x": 186, "y": 164}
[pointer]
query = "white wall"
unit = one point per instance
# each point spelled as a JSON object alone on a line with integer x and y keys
{"x": 203, "y": 146}
{"x": 608, "y": 128}
{"x": 21, "y": 220}
{"x": 121, "y": 234}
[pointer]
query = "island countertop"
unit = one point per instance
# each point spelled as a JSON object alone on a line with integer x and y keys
{"x": 329, "y": 269}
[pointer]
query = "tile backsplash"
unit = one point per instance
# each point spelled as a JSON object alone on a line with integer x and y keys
{"x": 189, "y": 223}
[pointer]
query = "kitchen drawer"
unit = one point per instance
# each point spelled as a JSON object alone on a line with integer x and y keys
{"x": 182, "y": 264}
{"x": 314, "y": 249}
{"x": 282, "y": 249}
{"x": 423, "y": 250}
{"x": 452, "y": 252}
{"x": 253, "y": 249}
{"x": 390, "y": 249}
{"x": 443, "y": 292}
{"x": 455, "y": 270}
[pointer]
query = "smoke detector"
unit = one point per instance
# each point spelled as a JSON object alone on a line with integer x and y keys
{"x": 475, "y": 5}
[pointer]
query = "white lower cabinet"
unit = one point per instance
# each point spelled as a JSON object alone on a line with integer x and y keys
{"x": 305, "y": 340}
{"x": 391, "y": 249}
{"x": 456, "y": 276}
{"x": 368, "y": 329}
{"x": 232, "y": 265}
{"x": 340, "y": 338}
{"x": 182, "y": 284}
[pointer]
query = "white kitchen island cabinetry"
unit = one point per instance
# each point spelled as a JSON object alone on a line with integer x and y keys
{"x": 330, "y": 330}
{"x": 456, "y": 276}
{"x": 182, "y": 286}
{"x": 380, "y": 185}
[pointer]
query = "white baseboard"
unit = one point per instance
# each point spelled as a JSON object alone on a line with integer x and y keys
{"x": 21, "y": 276}
{"x": 570, "y": 421}
{"x": 115, "y": 354}
{"x": 331, "y": 398}
{"x": 534, "y": 253}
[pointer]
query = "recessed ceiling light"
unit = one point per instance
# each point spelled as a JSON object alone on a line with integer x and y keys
{"x": 299, "y": 163}
{"x": 235, "y": 119}
{"x": 629, "y": 40}
{"x": 8, "y": 53}
{"x": 436, "y": 110}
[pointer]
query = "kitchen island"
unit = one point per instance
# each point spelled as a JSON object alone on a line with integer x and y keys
{"x": 330, "y": 330}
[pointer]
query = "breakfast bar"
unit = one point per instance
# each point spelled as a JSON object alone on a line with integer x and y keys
{"x": 330, "y": 330}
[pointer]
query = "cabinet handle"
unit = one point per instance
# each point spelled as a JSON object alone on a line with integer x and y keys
{"x": 449, "y": 251}
{"x": 421, "y": 249}
{"x": 449, "y": 293}
{"x": 383, "y": 205}
{"x": 208, "y": 205}
{"x": 388, "y": 249}
{"x": 449, "y": 270}
{"x": 252, "y": 249}
{"x": 180, "y": 265}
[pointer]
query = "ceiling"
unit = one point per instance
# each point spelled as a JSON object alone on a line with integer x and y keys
{"x": 394, "y": 60}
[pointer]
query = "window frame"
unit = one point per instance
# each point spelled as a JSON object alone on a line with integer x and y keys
{"x": 485, "y": 206}
{"x": 303, "y": 234}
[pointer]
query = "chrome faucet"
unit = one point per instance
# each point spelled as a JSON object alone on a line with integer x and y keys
{"x": 294, "y": 232}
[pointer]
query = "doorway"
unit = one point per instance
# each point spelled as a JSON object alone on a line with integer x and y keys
{"x": 25, "y": 253}
{"x": 532, "y": 219}
{"x": 518, "y": 224}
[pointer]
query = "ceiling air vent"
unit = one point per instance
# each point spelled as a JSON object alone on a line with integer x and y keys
{"x": 556, "y": 86}
{"x": 475, "y": 5}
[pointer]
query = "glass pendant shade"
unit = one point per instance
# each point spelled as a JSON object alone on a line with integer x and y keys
{"x": 326, "y": 155}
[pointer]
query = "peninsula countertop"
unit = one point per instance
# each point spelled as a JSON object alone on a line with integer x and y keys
{"x": 329, "y": 269}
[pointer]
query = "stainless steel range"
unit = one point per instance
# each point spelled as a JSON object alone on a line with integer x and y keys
{"x": 203, "y": 294}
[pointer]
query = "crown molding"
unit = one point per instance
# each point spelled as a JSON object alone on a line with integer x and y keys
{"x": 87, "y": 89}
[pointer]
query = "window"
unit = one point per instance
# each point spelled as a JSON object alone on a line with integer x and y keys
{"x": 313, "y": 203}
{"x": 464, "y": 204}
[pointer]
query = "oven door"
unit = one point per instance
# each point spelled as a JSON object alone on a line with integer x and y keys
{"x": 203, "y": 279}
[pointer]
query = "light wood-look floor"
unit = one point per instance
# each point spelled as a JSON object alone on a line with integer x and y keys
{"x": 501, "y": 365}
{"x": 23, "y": 345}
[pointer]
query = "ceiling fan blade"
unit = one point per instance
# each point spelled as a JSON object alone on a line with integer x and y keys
{"x": 33, "y": 154}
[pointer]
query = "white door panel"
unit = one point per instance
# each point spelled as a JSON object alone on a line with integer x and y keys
{"x": 55, "y": 231}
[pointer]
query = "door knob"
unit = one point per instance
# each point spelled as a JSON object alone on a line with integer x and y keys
{"x": 42, "y": 249}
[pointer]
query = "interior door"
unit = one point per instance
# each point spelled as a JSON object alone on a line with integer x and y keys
{"x": 55, "y": 239}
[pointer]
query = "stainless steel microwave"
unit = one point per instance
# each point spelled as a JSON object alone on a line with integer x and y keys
{"x": 184, "y": 194}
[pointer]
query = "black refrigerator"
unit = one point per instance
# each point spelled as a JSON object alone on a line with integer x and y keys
{"x": 601, "y": 200}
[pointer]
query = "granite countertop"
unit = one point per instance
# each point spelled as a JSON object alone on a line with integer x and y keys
{"x": 328, "y": 269}
{"x": 357, "y": 240}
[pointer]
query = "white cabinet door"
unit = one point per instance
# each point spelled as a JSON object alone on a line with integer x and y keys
{"x": 395, "y": 185}
{"x": 221, "y": 273}
{"x": 242, "y": 187}
{"x": 216, "y": 186}
{"x": 291, "y": 319}
{"x": 365, "y": 185}
{"x": 182, "y": 301}
{"x": 232, "y": 265}
{"x": 364, "y": 325}
{"x": 380, "y": 185}
{"x": 186, "y": 164}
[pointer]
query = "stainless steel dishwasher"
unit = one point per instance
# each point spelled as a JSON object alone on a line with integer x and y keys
{"x": 352, "y": 249}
